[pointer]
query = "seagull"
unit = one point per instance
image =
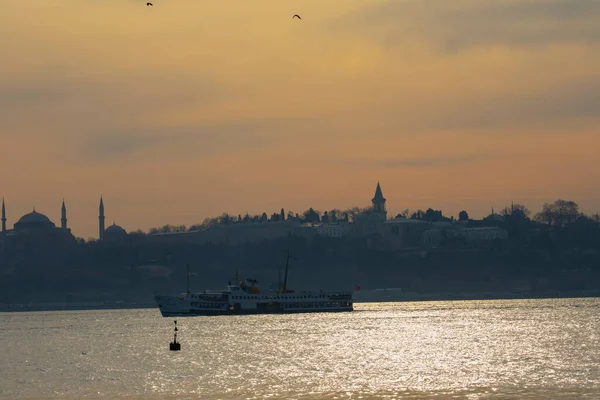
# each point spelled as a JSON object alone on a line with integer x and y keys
{"x": 149, "y": 4}
{"x": 296, "y": 15}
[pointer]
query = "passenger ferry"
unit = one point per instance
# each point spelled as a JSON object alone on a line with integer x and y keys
{"x": 246, "y": 297}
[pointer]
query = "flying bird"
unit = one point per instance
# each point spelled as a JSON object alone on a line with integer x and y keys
{"x": 296, "y": 15}
{"x": 149, "y": 4}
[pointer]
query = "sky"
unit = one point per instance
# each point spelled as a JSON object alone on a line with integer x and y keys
{"x": 191, "y": 108}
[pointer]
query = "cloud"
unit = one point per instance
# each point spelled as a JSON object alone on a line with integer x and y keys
{"x": 71, "y": 102}
{"x": 566, "y": 105}
{"x": 29, "y": 94}
{"x": 462, "y": 24}
{"x": 109, "y": 147}
{"x": 201, "y": 139}
{"x": 425, "y": 162}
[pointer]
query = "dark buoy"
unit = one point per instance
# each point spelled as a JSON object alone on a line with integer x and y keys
{"x": 174, "y": 345}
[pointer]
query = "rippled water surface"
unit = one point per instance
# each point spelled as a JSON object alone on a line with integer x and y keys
{"x": 463, "y": 349}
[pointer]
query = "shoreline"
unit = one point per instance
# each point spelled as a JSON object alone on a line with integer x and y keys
{"x": 372, "y": 296}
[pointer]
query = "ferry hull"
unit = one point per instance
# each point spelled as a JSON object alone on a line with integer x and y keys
{"x": 195, "y": 313}
{"x": 195, "y": 305}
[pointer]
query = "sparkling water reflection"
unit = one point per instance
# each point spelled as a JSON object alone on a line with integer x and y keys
{"x": 462, "y": 349}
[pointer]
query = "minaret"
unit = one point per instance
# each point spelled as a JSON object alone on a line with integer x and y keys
{"x": 379, "y": 201}
{"x": 3, "y": 217}
{"x": 63, "y": 219}
{"x": 101, "y": 220}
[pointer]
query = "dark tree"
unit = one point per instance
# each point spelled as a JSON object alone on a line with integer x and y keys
{"x": 518, "y": 210}
{"x": 463, "y": 216}
{"x": 432, "y": 215}
{"x": 334, "y": 215}
{"x": 311, "y": 215}
{"x": 419, "y": 214}
{"x": 559, "y": 214}
{"x": 546, "y": 215}
{"x": 225, "y": 219}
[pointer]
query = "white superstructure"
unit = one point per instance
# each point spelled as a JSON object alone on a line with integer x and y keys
{"x": 247, "y": 298}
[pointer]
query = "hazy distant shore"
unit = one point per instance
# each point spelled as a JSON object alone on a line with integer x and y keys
{"x": 367, "y": 296}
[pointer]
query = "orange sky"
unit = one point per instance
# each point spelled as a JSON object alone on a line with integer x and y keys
{"x": 193, "y": 108}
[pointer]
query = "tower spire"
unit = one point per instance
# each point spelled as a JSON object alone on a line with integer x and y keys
{"x": 63, "y": 218}
{"x": 3, "y": 217}
{"x": 379, "y": 201}
{"x": 101, "y": 219}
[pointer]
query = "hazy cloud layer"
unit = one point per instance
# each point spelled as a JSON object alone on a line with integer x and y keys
{"x": 429, "y": 161}
{"x": 198, "y": 140}
{"x": 461, "y": 24}
{"x": 563, "y": 106}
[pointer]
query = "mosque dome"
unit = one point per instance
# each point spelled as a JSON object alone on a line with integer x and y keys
{"x": 114, "y": 232}
{"x": 34, "y": 220}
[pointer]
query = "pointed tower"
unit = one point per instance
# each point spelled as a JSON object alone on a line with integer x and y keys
{"x": 379, "y": 201}
{"x": 63, "y": 216}
{"x": 3, "y": 217}
{"x": 101, "y": 220}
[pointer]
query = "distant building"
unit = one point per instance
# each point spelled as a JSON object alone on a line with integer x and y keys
{"x": 371, "y": 222}
{"x": 406, "y": 232}
{"x": 335, "y": 230}
{"x": 379, "y": 202}
{"x": 493, "y": 217}
{"x": 101, "y": 220}
{"x": 36, "y": 228}
{"x": 236, "y": 234}
{"x": 3, "y": 231}
{"x": 112, "y": 233}
{"x": 484, "y": 234}
{"x": 431, "y": 237}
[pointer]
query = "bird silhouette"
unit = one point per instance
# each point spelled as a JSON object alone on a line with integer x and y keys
{"x": 296, "y": 15}
{"x": 149, "y": 4}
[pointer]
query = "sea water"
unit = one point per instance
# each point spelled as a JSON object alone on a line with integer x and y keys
{"x": 503, "y": 349}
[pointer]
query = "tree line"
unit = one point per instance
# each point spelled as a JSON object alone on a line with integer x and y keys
{"x": 557, "y": 214}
